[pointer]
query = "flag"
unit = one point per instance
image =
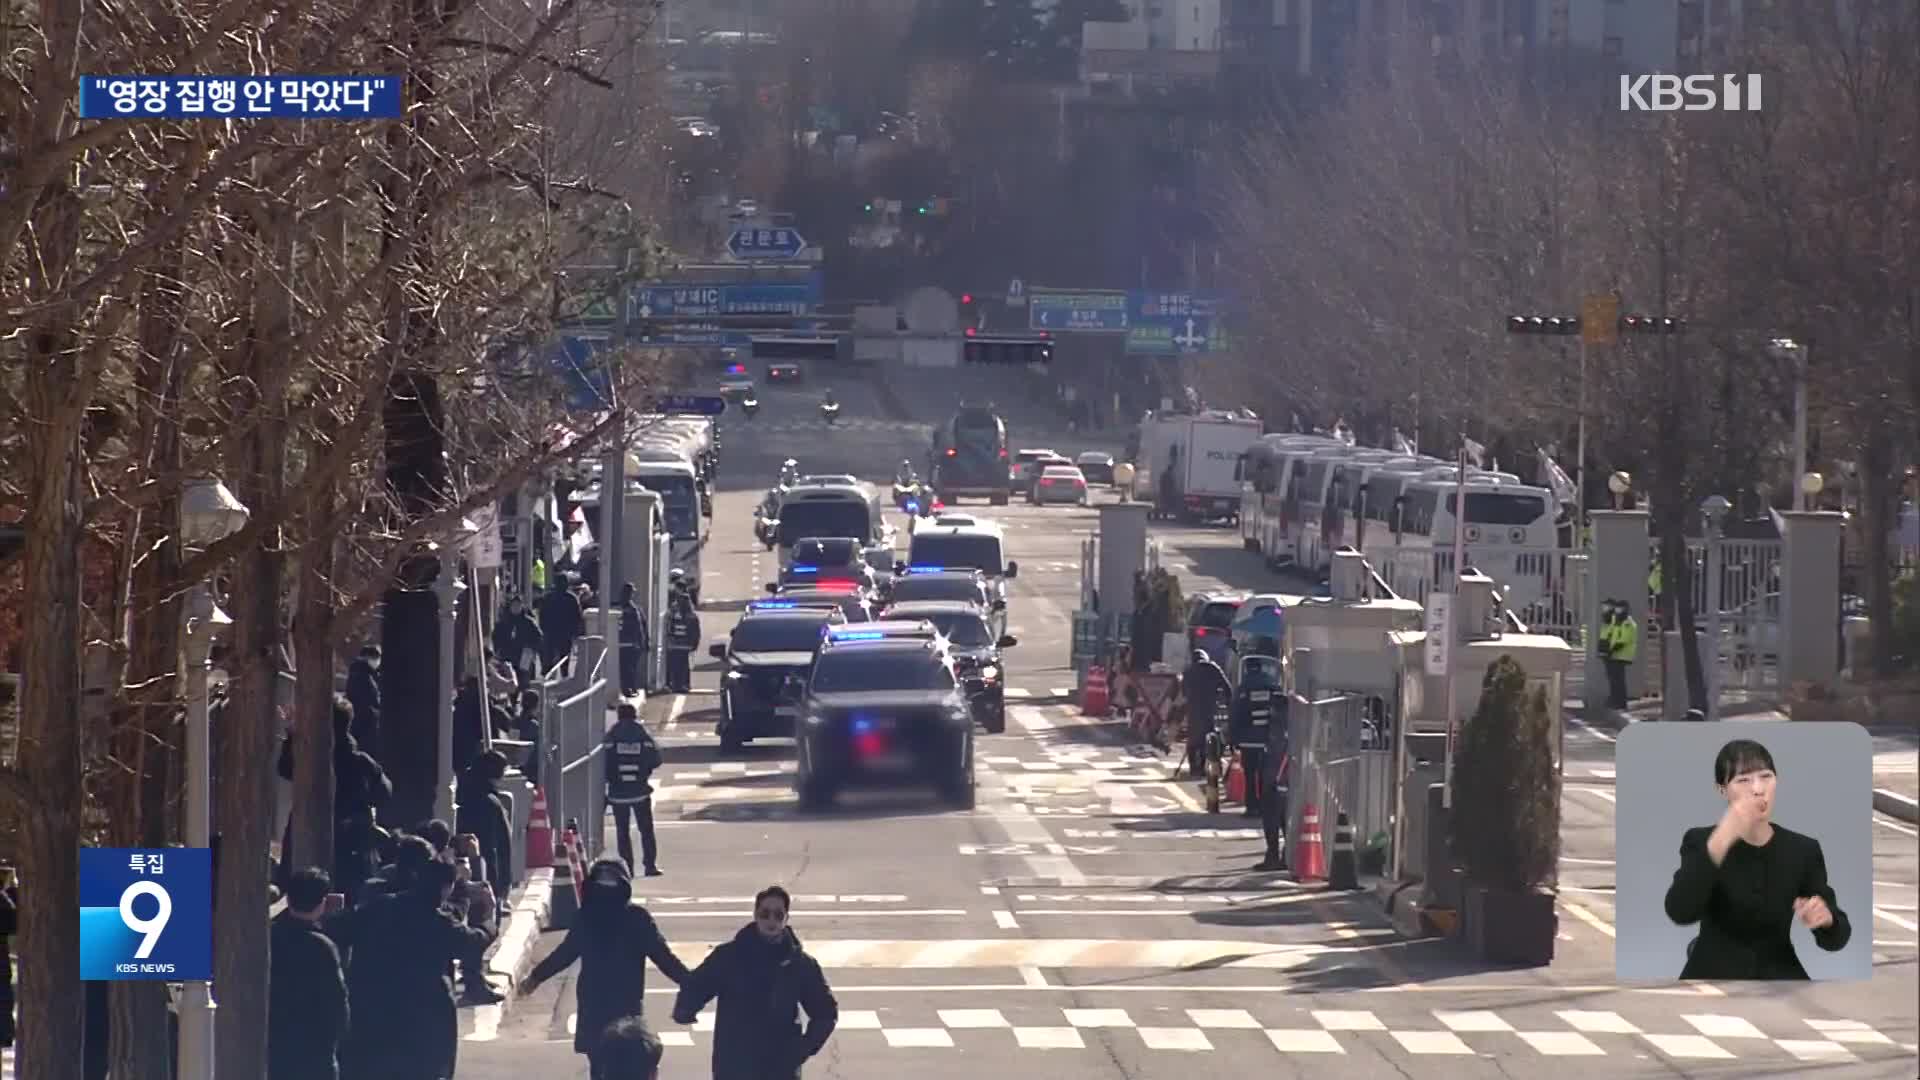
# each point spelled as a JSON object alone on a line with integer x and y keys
{"x": 1342, "y": 432}
{"x": 1476, "y": 452}
{"x": 1557, "y": 479}
{"x": 1401, "y": 445}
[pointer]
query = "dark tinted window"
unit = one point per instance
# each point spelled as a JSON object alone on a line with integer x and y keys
{"x": 924, "y": 587}
{"x": 962, "y": 628}
{"x": 1496, "y": 508}
{"x": 680, "y": 505}
{"x": 804, "y": 518}
{"x": 783, "y": 634}
{"x": 847, "y": 670}
{"x": 850, "y": 604}
{"x": 965, "y": 552}
{"x": 834, "y": 551}
{"x": 1417, "y": 514}
{"x": 1217, "y": 614}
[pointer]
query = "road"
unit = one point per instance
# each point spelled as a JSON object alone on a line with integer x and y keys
{"x": 1089, "y": 919}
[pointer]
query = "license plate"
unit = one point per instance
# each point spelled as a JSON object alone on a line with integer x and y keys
{"x": 1261, "y": 695}
{"x": 890, "y": 761}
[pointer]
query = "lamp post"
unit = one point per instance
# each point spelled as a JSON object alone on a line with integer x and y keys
{"x": 208, "y": 514}
{"x": 1620, "y": 483}
{"x": 1714, "y": 509}
{"x": 1795, "y": 353}
{"x": 1811, "y": 485}
{"x": 446, "y": 589}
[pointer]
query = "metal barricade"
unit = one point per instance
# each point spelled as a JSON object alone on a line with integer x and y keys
{"x": 572, "y": 727}
{"x": 1337, "y": 769}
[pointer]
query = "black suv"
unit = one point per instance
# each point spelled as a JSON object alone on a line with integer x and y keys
{"x": 974, "y": 649}
{"x": 880, "y": 712}
{"x": 764, "y": 651}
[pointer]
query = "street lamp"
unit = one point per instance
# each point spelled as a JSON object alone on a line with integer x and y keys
{"x": 1714, "y": 509}
{"x": 1791, "y": 351}
{"x": 1811, "y": 485}
{"x": 1620, "y": 483}
{"x": 208, "y": 514}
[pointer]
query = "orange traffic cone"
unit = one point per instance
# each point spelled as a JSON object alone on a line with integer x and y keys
{"x": 1309, "y": 860}
{"x": 1236, "y": 781}
{"x": 1093, "y": 696}
{"x": 539, "y": 831}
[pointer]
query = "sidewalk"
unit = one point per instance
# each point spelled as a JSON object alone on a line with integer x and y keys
{"x": 510, "y": 957}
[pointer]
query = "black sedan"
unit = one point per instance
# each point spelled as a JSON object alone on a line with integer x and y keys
{"x": 765, "y": 650}
{"x": 884, "y": 713}
{"x": 785, "y": 373}
{"x": 975, "y": 651}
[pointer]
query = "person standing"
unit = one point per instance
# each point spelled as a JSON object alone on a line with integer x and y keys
{"x": 683, "y": 636}
{"x": 613, "y": 940}
{"x": 633, "y": 643}
{"x": 481, "y": 809}
{"x": 307, "y": 990}
{"x": 363, "y": 693}
{"x": 632, "y": 755}
{"x": 1206, "y": 689}
{"x": 561, "y": 623}
{"x": 516, "y": 639}
{"x": 764, "y": 980}
{"x": 1273, "y": 819}
{"x": 1252, "y": 717}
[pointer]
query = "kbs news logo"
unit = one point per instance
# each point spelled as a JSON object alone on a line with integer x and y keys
{"x": 1693, "y": 93}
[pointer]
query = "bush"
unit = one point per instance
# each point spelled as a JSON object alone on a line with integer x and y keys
{"x": 1506, "y": 794}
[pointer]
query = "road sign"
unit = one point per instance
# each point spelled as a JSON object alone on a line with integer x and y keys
{"x": 1600, "y": 319}
{"x": 1439, "y": 633}
{"x": 1091, "y": 312}
{"x": 695, "y": 337}
{"x": 1173, "y": 323}
{"x": 755, "y": 243}
{"x": 681, "y": 300}
{"x": 577, "y": 361}
{"x": 697, "y": 404}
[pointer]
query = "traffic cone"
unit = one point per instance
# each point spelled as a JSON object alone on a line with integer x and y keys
{"x": 1309, "y": 859}
{"x": 565, "y": 898}
{"x": 1236, "y": 781}
{"x": 578, "y": 861}
{"x": 539, "y": 831}
{"x": 1093, "y": 696}
{"x": 1342, "y": 871}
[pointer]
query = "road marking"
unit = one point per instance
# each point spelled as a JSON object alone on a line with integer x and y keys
{"x": 1881, "y": 819}
{"x": 1590, "y": 729}
{"x": 1586, "y": 862}
{"x": 1005, "y": 920}
{"x": 989, "y": 890}
{"x": 1296, "y": 898}
{"x": 674, "y": 709}
{"x": 1030, "y": 718}
{"x": 747, "y": 901}
{"x": 1058, "y": 953}
{"x": 1033, "y": 978}
{"x": 843, "y": 913}
{"x": 1588, "y": 917}
{"x": 1599, "y": 792}
{"x": 486, "y": 1024}
{"x": 1904, "y": 924}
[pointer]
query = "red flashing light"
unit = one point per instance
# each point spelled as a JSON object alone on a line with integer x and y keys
{"x": 971, "y": 331}
{"x": 951, "y": 452}
{"x": 1003, "y": 453}
{"x": 869, "y": 744}
{"x": 1044, "y": 334}
{"x": 966, "y": 298}
{"x": 1201, "y": 631}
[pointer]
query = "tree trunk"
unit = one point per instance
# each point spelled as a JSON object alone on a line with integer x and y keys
{"x": 1879, "y": 508}
{"x": 313, "y": 811}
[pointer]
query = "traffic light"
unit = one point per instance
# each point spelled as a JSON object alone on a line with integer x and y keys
{"x": 1548, "y": 325}
{"x": 921, "y": 209}
{"x": 1005, "y": 350}
{"x": 1652, "y": 324}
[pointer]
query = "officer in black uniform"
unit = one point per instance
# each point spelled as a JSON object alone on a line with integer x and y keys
{"x": 1274, "y": 775}
{"x": 1206, "y": 689}
{"x": 683, "y": 636}
{"x": 1253, "y": 704}
{"x": 631, "y": 756}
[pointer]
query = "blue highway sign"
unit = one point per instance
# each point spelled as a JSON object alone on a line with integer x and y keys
{"x": 1056, "y": 310}
{"x": 697, "y": 404}
{"x": 673, "y": 300}
{"x": 752, "y": 243}
{"x": 696, "y": 337}
{"x": 1173, "y": 323}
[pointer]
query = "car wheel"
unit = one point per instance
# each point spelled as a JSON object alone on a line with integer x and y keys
{"x": 815, "y": 795}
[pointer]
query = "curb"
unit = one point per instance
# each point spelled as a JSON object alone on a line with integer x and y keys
{"x": 1895, "y": 805}
{"x": 510, "y": 957}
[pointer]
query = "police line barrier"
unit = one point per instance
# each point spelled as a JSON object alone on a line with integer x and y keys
{"x": 572, "y": 722}
{"x": 1330, "y": 768}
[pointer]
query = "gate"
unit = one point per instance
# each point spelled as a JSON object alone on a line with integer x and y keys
{"x": 1741, "y": 578}
{"x": 1338, "y": 768}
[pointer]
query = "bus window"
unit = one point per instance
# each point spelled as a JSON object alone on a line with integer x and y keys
{"x": 1497, "y": 508}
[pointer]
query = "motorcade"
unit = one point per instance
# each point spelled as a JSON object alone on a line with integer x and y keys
{"x": 1059, "y": 484}
{"x": 853, "y": 602}
{"x": 975, "y": 648}
{"x": 786, "y": 373}
{"x": 736, "y": 384}
{"x": 1189, "y": 464}
{"x": 1096, "y": 466}
{"x": 955, "y": 519}
{"x": 936, "y": 583}
{"x": 826, "y": 560}
{"x": 965, "y": 547}
{"x": 1210, "y": 624}
{"x": 814, "y": 507}
{"x": 970, "y": 456}
{"x": 884, "y": 713}
{"x": 765, "y": 649}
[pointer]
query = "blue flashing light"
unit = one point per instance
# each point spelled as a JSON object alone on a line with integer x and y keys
{"x": 926, "y": 569}
{"x": 857, "y": 635}
{"x": 913, "y": 507}
{"x": 862, "y": 725}
{"x": 803, "y": 569}
{"x": 736, "y": 369}
{"x": 772, "y": 605}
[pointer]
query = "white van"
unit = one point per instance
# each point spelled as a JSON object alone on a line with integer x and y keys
{"x": 813, "y": 508}
{"x": 979, "y": 547}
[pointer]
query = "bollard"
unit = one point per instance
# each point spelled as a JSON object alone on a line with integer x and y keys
{"x": 1343, "y": 872}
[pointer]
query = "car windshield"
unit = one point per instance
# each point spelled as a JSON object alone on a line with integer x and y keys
{"x": 784, "y": 634}
{"x": 832, "y": 551}
{"x": 915, "y": 587}
{"x": 963, "y": 628}
{"x": 801, "y": 519}
{"x": 1217, "y": 614}
{"x": 966, "y": 552}
{"x": 852, "y": 670}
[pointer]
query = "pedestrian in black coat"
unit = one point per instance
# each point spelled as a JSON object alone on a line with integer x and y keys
{"x": 482, "y": 810}
{"x": 764, "y": 980}
{"x": 405, "y": 1023}
{"x": 516, "y": 639}
{"x": 634, "y": 643}
{"x": 307, "y": 990}
{"x": 561, "y": 621}
{"x": 363, "y": 692}
{"x": 360, "y": 789}
{"x": 472, "y": 713}
{"x": 613, "y": 940}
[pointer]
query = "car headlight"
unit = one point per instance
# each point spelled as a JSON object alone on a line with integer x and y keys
{"x": 815, "y": 720}
{"x": 736, "y": 673}
{"x": 990, "y": 672}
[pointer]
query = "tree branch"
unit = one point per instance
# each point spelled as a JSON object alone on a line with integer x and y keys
{"x": 498, "y": 49}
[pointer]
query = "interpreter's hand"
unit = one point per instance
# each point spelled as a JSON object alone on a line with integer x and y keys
{"x": 1813, "y": 912}
{"x": 1743, "y": 816}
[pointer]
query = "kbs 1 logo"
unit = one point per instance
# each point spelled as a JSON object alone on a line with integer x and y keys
{"x": 1692, "y": 93}
{"x": 146, "y": 913}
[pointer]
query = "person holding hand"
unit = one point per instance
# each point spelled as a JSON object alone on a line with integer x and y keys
{"x": 1746, "y": 880}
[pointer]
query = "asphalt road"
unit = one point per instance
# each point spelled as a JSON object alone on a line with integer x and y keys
{"x": 1090, "y": 920}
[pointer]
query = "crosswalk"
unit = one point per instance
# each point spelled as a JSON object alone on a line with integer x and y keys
{"x": 1274, "y": 1028}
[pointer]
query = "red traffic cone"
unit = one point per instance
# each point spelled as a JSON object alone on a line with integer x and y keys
{"x": 1309, "y": 860}
{"x": 1236, "y": 781}
{"x": 1093, "y": 696}
{"x": 539, "y": 831}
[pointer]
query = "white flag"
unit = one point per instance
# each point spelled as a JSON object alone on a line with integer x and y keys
{"x": 1557, "y": 479}
{"x": 1342, "y": 432}
{"x": 1401, "y": 445}
{"x": 1476, "y": 452}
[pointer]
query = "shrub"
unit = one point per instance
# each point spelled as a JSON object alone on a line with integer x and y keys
{"x": 1506, "y": 793}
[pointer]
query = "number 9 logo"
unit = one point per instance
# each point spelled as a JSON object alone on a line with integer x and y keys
{"x": 150, "y": 929}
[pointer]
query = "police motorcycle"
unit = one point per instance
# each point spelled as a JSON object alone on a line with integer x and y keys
{"x": 909, "y": 494}
{"x": 766, "y": 517}
{"x": 829, "y": 408}
{"x": 751, "y": 406}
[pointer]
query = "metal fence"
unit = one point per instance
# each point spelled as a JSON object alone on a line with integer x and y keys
{"x": 1747, "y": 594}
{"x": 1336, "y": 769}
{"x": 572, "y": 725}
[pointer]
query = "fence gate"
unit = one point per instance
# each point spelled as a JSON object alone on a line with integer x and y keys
{"x": 1748, "y": 596}
{"x": 1338, "y": 768}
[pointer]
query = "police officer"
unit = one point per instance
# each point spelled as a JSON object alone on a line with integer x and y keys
{"x": 1274, "y": 774}
{"x": 1620, "y": 640}
{"x": 633, "y": 643}
{"x": 683, "y": 636}
{"x": 632, "y": 755}
{"x": 1252, "y": 717}
{"x": 1206, "y": 689}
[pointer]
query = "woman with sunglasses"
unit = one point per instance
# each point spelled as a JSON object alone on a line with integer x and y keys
{"x": 764, "y": 980}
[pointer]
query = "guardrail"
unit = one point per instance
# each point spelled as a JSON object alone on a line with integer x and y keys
{"x": 1334, "y": 770}
{"x": 572, "y": 726}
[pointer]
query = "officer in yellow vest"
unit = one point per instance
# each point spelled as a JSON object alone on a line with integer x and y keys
{"x": 1620, "y": 645}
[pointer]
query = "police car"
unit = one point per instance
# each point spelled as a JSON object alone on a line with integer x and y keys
{"x": 852, "y": 601}
{"x": 974, "y": 646}
{"x": 884, "y": 713}
{"x": 766, "y": 648}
